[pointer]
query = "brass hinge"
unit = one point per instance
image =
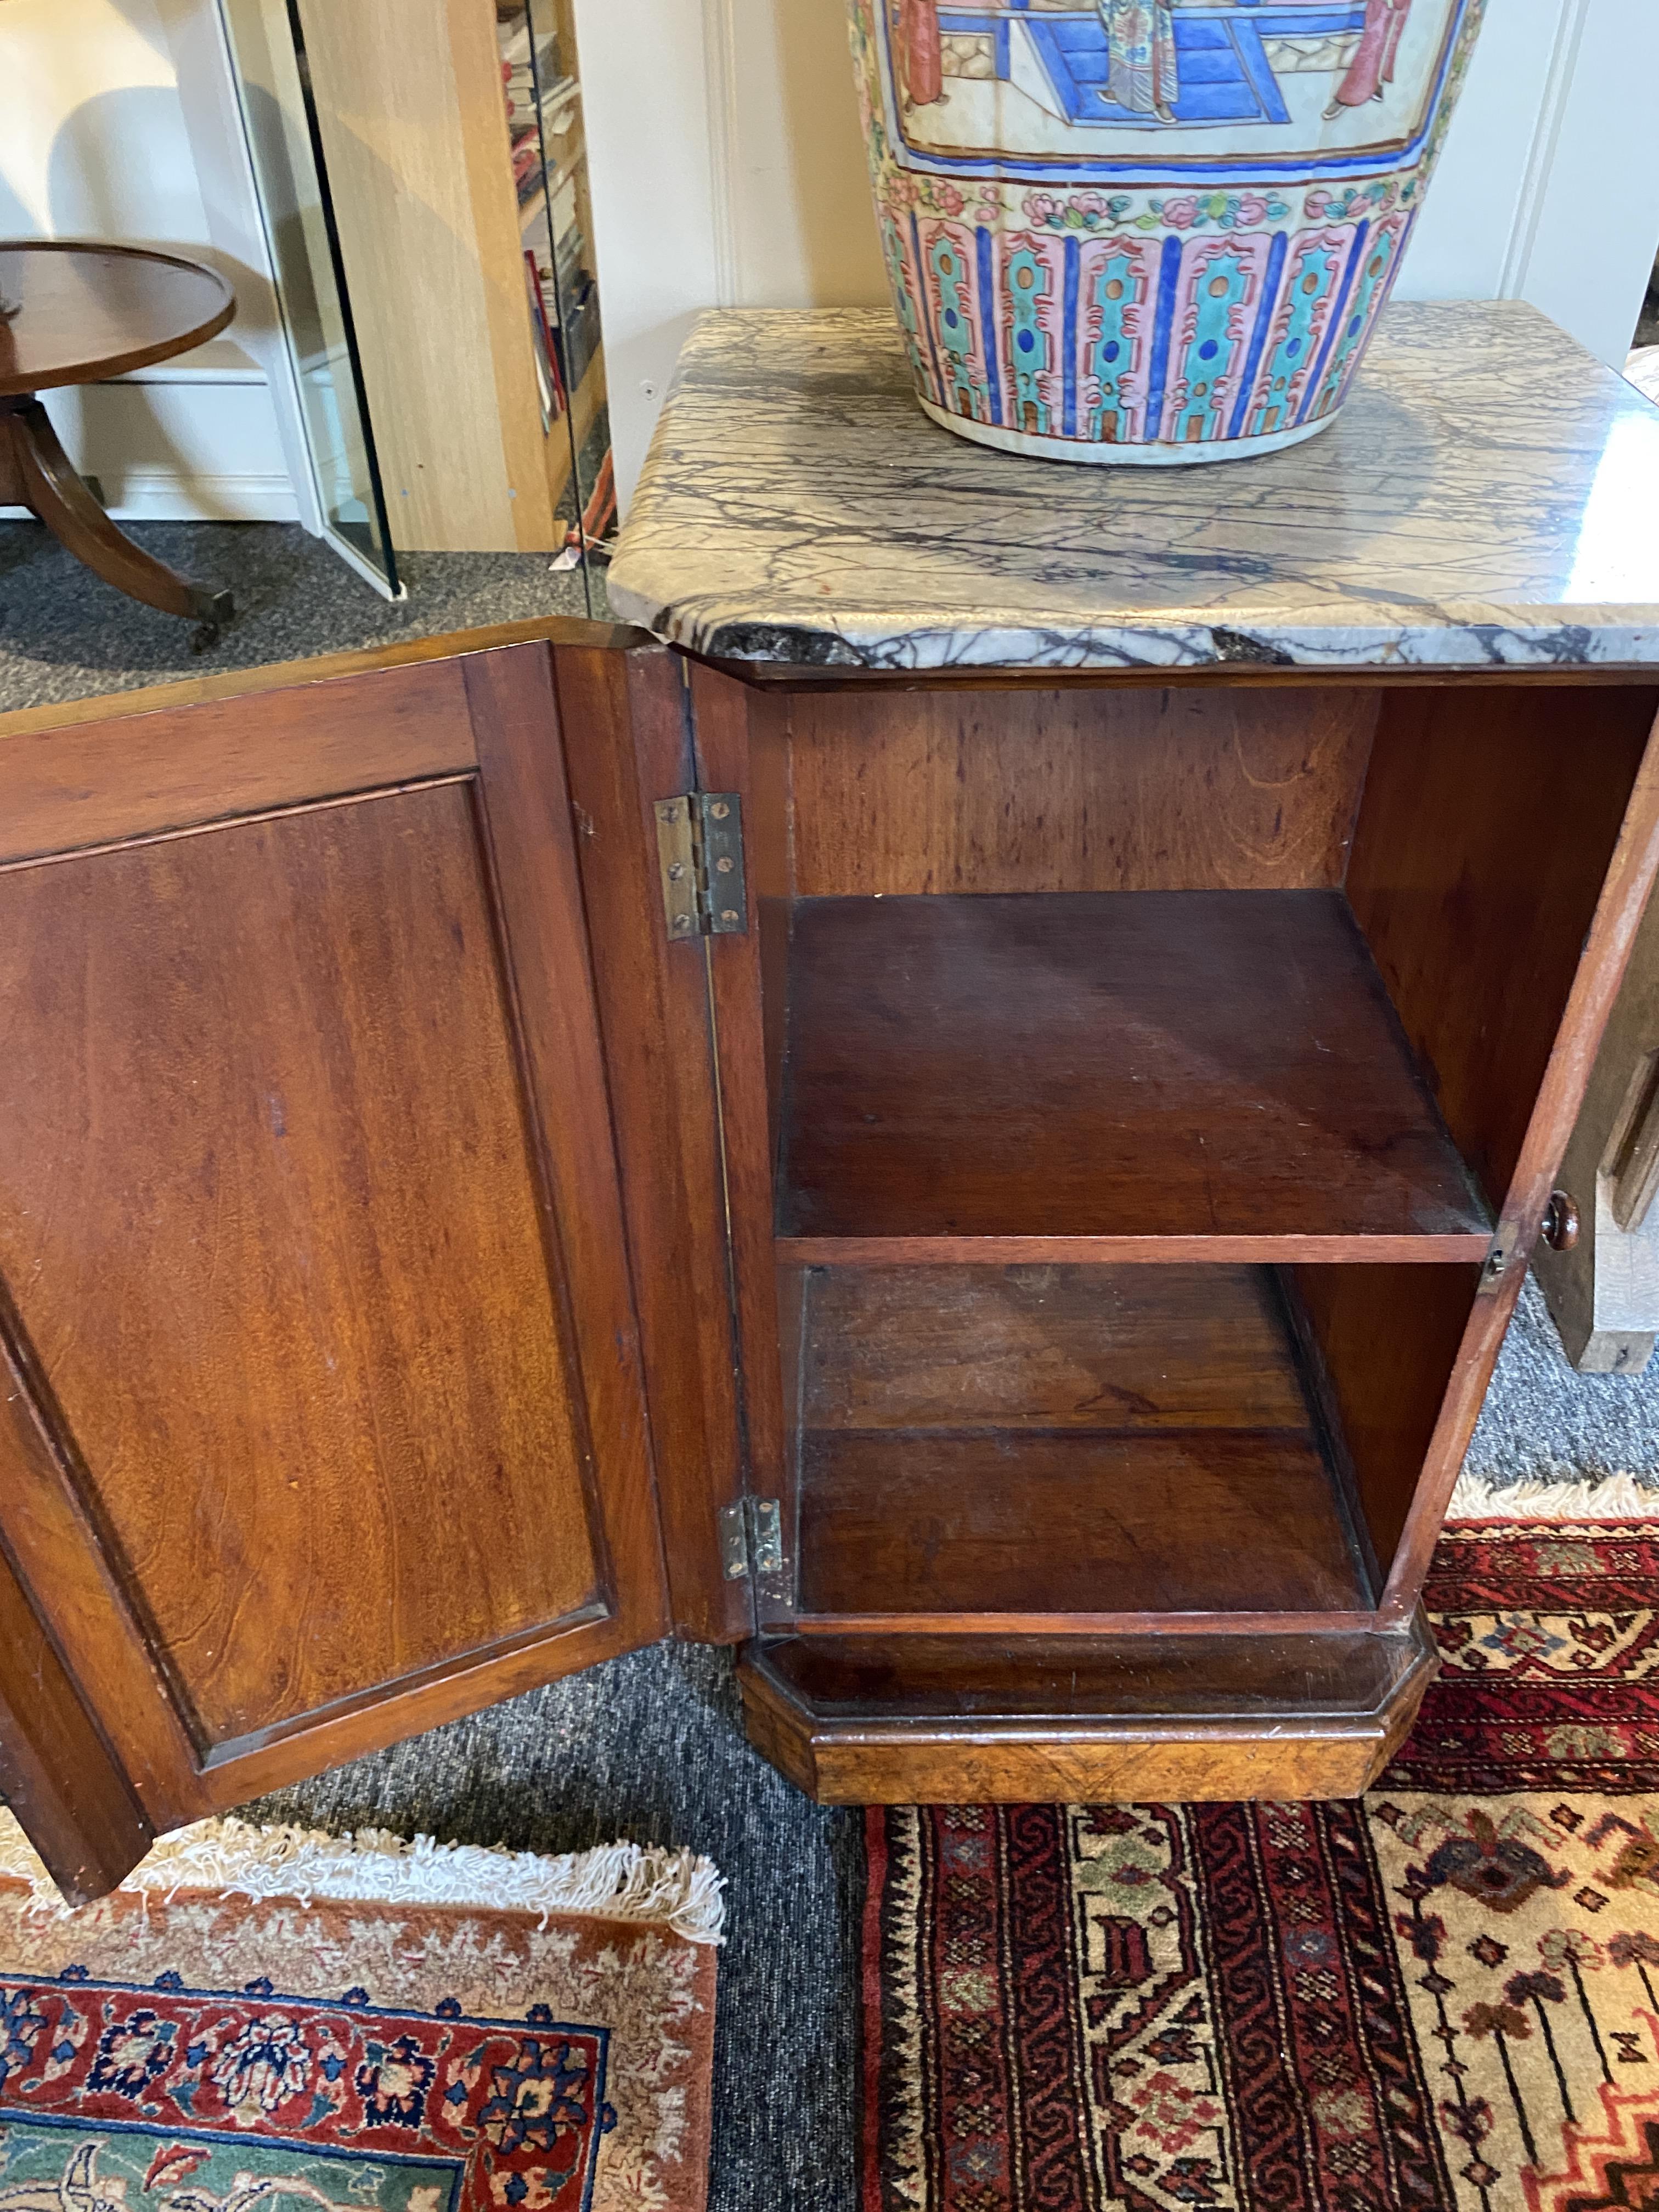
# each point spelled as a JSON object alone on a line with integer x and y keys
{"x": 700, "y": 855}
{"x": 751, "y": 1544}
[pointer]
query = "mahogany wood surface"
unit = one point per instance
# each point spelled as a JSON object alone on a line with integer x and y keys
{"x": 159, "y": 770}
{"x": 737, "y": 968}
{"x": 1350, "y": 1674}
{"x": 1488, "y": 823}
{"x": 628, "y": 743}
{"x": 964, "y": 1719}
{"x": 56, "y": 1773}
{"x": 975, "y": 1443}
{"x": 1385, "y": 1342}
{"x": 333, "y": 1425}
{"x": 523, "y": 796}
{"x": 1263, "y": 1249}
{"x": 11, "y": 471}
{"x": 819, "y": 682}
{"x": 46, "y": 483}
{"x": 1154, "y": 1064}
{"x": 1048, "y": 1348}
{"x": 325, "y": 668}
{"x": 147, "y": 763}
{"x": 91, "y": 312}
{"x": 1038, "y": 790}
{"x": 1083, "y": 1522}
{"x": 208, "y": 1292}
{"x": 87, "y": 313}
{"x": 1632, "y": 871}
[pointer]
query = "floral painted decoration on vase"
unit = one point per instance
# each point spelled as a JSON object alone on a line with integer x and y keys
{"x": 1149, "y": 230}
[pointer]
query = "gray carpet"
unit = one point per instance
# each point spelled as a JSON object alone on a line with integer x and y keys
{"x": 652, "y": 1745}
{"x": 1542, "y": 1422}
{"x": 64, "y": 634}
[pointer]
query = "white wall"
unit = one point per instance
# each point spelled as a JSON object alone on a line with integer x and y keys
{"x": 96, "y": 142}
{"x": 727, "y": 170}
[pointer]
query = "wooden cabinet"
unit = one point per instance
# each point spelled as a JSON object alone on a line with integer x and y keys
{"x": 1016, "y": 1231}
{"x": 325, "y": 1416}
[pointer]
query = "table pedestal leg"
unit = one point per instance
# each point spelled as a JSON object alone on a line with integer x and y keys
{"x": 42, "y": 479}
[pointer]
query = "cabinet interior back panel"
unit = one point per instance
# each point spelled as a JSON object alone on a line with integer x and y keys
{"x": 1043, "y": 1441}
{"x": 269, "y": 1219}
{"x": 1183, "y": 788}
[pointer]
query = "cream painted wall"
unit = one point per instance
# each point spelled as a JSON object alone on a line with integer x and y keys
{"x": 747, "y": 125}
{"x": 95, "y": 143}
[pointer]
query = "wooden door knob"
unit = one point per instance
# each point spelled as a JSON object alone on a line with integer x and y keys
{"x": 1561, "y": 1224}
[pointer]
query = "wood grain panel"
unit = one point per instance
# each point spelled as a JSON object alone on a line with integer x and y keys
{"x": 1150, "y": 1064}
{"x": 105, "y": 781}
{"x": 994, "y": 1720}
{"x": 265, "y": 1202}
{"x": 525, "y": 802}
{"x": 251, "y": 684}
{"x": 1060, "y": 1348}
{"x": 975, "y": 1443}
{"x": 58, "y": 1774}
{"x": 1079, "y": 1522}
{"x": 628, "y": 743}
{"x": 1383, "y": 1342}
{"x": 1630, "y": 875}
{"x": 1274, "y": 1249}
{"x": 1488, "y": 823}
{"x": 739, "y": 968}
{"x": 1038, "y": 790}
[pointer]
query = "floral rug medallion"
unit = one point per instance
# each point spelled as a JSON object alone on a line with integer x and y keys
{"x": 195, "y": 2049}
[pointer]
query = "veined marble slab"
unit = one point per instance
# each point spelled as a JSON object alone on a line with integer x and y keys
{"x": 1488, "y": 497}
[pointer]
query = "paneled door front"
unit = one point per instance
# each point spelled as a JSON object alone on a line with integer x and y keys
{"x": 324, "y": 1419}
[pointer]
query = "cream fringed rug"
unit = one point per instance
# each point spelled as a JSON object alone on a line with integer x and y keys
{"x": 1612, "y": 1498}
{"x": 267, "y": 2017}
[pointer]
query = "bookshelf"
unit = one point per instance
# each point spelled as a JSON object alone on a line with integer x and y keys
{"x": 451, "y": 131}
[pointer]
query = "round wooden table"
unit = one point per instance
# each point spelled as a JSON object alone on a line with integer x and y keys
{"x": 79, "y": 314}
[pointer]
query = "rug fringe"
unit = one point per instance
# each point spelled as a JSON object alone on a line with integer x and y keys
{"x": 645, "y": 1883}
{"x": 1614, "y": 1498}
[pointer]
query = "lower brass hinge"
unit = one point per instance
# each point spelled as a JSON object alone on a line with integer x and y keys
{"x": 700, "y": 855}
{"x": 751, "y": 1544}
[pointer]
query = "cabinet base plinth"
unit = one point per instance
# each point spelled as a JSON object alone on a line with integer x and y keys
{"x": 970, "y": 1720}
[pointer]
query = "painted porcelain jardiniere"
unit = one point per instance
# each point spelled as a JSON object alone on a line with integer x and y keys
{"x": 1149, "y": 230}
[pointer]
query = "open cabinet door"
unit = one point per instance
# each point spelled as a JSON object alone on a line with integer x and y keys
{"x": 324, "y": 1414}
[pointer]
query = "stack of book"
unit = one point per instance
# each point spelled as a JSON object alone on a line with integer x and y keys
{"x": 533, "y": 85}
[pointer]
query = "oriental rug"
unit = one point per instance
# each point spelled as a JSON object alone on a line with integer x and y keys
{"x": 1443, "y": 1997}
{"x": 265, "y": 2018}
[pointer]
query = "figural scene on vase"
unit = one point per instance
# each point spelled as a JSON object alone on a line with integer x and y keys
{"x": 1149, "y": 230}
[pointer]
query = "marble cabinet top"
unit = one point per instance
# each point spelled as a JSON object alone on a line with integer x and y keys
{"x": 1489, "y": 497}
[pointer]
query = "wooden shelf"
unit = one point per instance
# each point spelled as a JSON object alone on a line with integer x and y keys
{"x": 1131, "y": 1075}
{"x": 1103, "y": 1444}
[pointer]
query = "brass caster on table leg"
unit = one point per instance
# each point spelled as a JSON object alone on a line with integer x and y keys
{"x": 216, "y": 610}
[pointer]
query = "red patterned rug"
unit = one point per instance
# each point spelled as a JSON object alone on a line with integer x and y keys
{"x": 264, "y": 2019}
{"x": 1441, "y": 1998}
